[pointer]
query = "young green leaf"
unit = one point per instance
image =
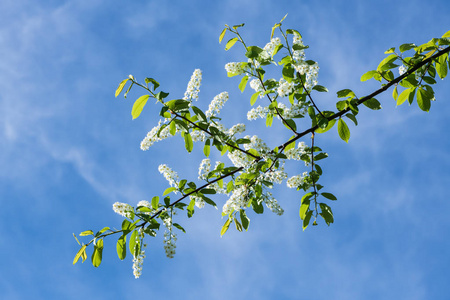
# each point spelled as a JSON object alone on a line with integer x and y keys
{"x": 368, "y": 75}
{"x": 304, "y": 209}
{"x": 225, "y": 227}
{"x": 79, "y": 254}
{"x": 320, "y": 88}
{"x": 329, "y": 196}
{"x": 222, "y": 35}
{"x": 155, "y": 202}
{"x": 343, "y": 130}
{"x": 403, "y": 96}
{"x": 244, "y": 219}
{"x": 153, "y": 81}
{"x": 87, "y": 232}
{"x": 243, "y": 83}
{"x": 121, "y": 85}
{"x": 254, "y": 98}
{"x": 97, "y": 255}
{"x": 326, "y": 213}
{"x": 372, "y": 103}
{"x": 307, "y": 219}
{"x": 424, "y": 99}
{"x": 169, "y": 190}
{"x": 121, "y": 247}
{"x": 230, "y": 43}
{"x": 188, "y": 142}
{"x": 139, "y": 105}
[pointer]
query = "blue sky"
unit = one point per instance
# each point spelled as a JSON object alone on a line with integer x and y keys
{"x": 69, "y": 150}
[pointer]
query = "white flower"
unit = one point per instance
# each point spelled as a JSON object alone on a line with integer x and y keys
{"x": 272, "y": 204}
{"x": 217, "y": 104}
{"x": 137, "y": 264}
{"x": 270, "y": 47}
{"x": 296, "y": 153}
{"x": 152, "y": 136}
{"x": 259, "y": 112}
{"x": 239, "y": 159}
{"x": 199, "y": 202}
{"x": 238, "y": 128}
{"x": 284, "y": 87}
{"x": 257, "y": 86}
{"x": 234, "y": 68}
{"x": 296, "y": 181}
{"x": 193, "y": 87}
{"x": 257, "y": 144}
{"x": 402, "y": 69}
{"x": 170, "y": 175}
{"x": 237, "y": 200}
{"x": 204, "y": 169}
{"x": 123, "y": 209}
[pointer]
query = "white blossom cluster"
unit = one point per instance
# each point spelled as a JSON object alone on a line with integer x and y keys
{"x": 284, "y": 87}
{"x": 193, "y": 87}
{"x": 170, "y": 239}
{"x": 147, "y": 204}
{"x": 152, "y": 136}
{"x": 294, "y": 110}
{"x": 273, "y": 204}
{"x": 234, "y": 68}
{"x": 257, "y": 144}
{"x": 298, "y": 55}
{"x": 275, "y": 176}
{"x": 296, "y": 153}
{"x": 402, "y": 70}
{"x": 311, "y": 77}
{"x": 236, "y": 201}
{"x": 238, "y": 128}
{"x": 123, "y": 209}
{"x": 270, "y": 47}
{"x": 256, "y": 85}
{"x": 198, "y": 136}
{"x": 204, "y": 168}
{"x": 239, "y": 159}
{"x": 199, "y": 202}
{"x": 258, "y": 112}
{"x": 216, "y": 104}
{"x": 170, "y": 175}
{"x": 296, "y": 181}
{"x": 137, "y": 264}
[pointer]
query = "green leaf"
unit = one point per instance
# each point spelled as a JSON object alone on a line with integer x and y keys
{"x": 208, "y": 191}
{"x": 238, "y": 225}
{"x": 345, "y": 93}
{"x": 97, "y": 255}
{"x": 387, "y": 61}
{"x": 190, "y": 208}
{"x": 372, "y": 103}
{"x": 134, "y": 245}
{"x": 230, "y": 43}
{"x": 395, "y": 93}
{"x": 155, "y": 202}
{"x": 307, "y": 219}
{"x": 424, "y": 99}
{"x": 207, "y": 148}
{"x": 304, "y": 209}
{"x": 176, "y": 225}
{"x": 169, "y": 190}
{"x": 288, "y": 72}
{"x": 403, "y": 96}
{"x": 447, "y": 34}
{"x": 343, "y": 130}
{"x": 254, "y": 98}
{"x": 199, "y": 113}
{"x": 225, "y": 227}
{"x": 269, "y": 120}
{"x": 326, "y": 213}
{"x": 79, "y": 254}
{"x": 86, "y": 233}
{"x": 121, "y": 247}
{"x": 253, "y": 52}
{"x": 127, "y": 226}
{"x": 244, "y": 219}
{"x": 320, "y": 156}
{"x": 353, "y": 118}
{"x": 243, "y": 83}
{"x": 153, "y": 81}
{"x": 329, "y": 196}
{"x": 188, "y": 142}
{"x": 441, "y": 66}
{"x": 320, "y": 88}
{"x": 291, "y": 123}
{"x": 139, "y": 105}
{"x": 406, "y": 47}
{"x": 390, "y": 50}
{"x": 222, "y": 35}
{"x": 329, "y": 126}
{"x": 161, "y": 95}
{"x": 368, "y": 75}
{"x": 121, "y": 85}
